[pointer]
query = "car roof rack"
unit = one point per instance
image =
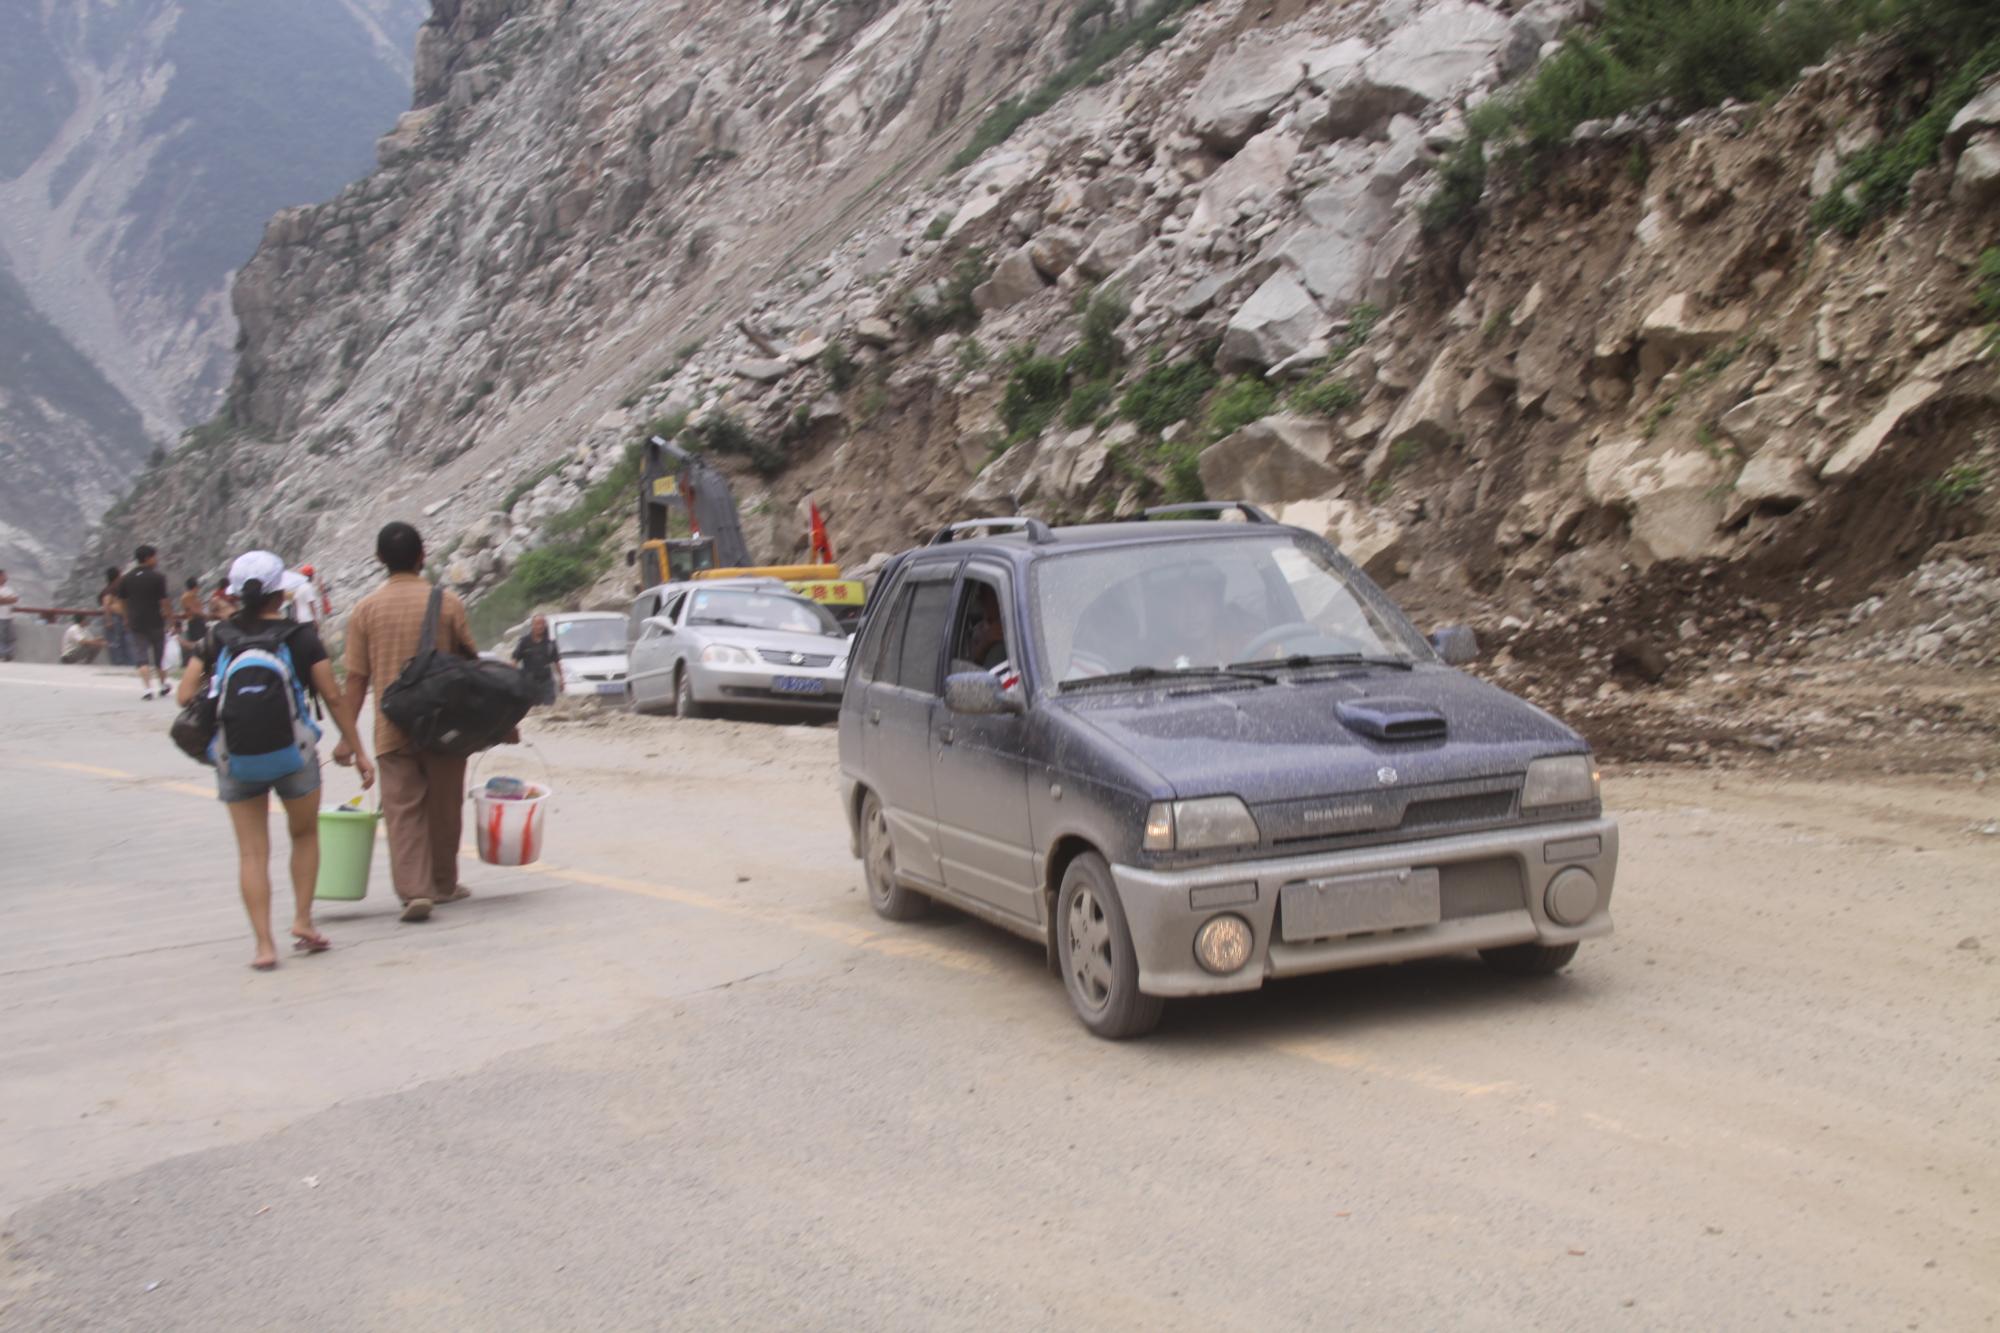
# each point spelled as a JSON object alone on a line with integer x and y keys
{"x": 1206, "y": 509}
{"x": 1037, "y": 531}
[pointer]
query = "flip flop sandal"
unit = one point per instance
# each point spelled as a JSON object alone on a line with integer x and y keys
{"x": 311, "y": 943}
{"x": 271, "y": 966}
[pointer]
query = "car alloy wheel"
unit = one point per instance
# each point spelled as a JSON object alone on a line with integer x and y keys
{"x": 878, "y": 861}
{"x": 1095, "y": 957}
{"x": 1090, "y": 950}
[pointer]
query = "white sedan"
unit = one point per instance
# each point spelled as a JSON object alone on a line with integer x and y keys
{"x": 713, "y": 647}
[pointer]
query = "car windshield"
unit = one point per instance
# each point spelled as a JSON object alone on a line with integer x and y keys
{"x": 762, "y": 610}
{"x": 580, "y": 638}
{"x": 1160, "y": 607}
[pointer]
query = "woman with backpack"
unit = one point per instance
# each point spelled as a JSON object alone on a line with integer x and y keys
{"x": 260, "y": 669}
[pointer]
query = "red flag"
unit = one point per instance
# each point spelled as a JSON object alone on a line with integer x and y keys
{"x": 822, "y": 545}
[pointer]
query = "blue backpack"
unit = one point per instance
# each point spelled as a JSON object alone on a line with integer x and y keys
{"x": 263, "y": 729}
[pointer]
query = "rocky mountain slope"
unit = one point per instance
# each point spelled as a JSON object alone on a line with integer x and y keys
{"x": 69, "y": 445}
{"x": 142, "y": 147}
{"x": 1599, "y": 381}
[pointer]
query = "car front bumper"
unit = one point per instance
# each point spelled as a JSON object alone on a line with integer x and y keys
{"x": 1494, "y": 890}
{"x": 754, "y": 686}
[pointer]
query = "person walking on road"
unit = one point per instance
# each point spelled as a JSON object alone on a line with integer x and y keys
{"x": 9, "y": 599}
{"x": 539, "y": 659}
{"x": 147, "y": 611}
{"x": 256, "y": 578}
{"x": 423, "y": 794}
{"x": 117, "y": 643}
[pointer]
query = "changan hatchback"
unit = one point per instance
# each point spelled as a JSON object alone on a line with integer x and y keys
{"x": 1193, "y": 756}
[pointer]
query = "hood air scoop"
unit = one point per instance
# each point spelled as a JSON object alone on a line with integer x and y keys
{"x": 1388, "y": 719}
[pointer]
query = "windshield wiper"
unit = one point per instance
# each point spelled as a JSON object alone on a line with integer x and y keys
{"x": 724, "y": 620}
{"x": 1301, "y": 660}
{"x": 1145, "y": 674}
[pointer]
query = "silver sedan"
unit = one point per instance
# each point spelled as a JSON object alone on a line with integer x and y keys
{"x": 715, "y": 647}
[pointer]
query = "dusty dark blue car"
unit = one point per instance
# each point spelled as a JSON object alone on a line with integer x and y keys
{"x": 1190, "y": 756}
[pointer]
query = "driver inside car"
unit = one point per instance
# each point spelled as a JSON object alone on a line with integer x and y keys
{"x": 1202, "y": 629}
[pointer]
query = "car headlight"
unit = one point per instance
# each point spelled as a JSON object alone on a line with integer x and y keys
{"x": 1569, "y": 779}
{"x": 721, "y": 654}
{"x": 1192, "y": 826}
{"x": 840, "y": 663}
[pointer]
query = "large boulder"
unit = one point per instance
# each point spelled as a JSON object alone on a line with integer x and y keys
{"x": 1240, "y": 91}
{"x": 1776, "y": 479}
{"x": 1015, "y": 279}
{"x": 1278, "y": 459}
{"x": 1111, "y": 247}
{"x": 1367, "y": 535}
{"x": 1278, "y": 319}
{"x": 1752, "y": 423}
{"x": 1430, "y": 58}
{"x": 1903, "y": 403}
{"x": 1976, "y": 179}
{"x": 1675, "y": 498}
{"x": 1333, "y": 251}
{"x": 1980, "y": 114}
{"x": 1674, "y": 332}
{"x": 1429, "y": 416}
{"x": 1259, "y": 172}
{"x": 1053, "y": 250}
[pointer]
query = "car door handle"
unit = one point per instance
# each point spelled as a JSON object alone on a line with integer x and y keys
{"x": 945, "y": 735}
{"x": 874, "y": 717}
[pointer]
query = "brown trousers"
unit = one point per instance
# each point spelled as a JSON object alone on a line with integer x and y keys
{"x": 423, "y": 807}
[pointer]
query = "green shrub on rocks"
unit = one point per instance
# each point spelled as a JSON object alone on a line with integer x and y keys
{"x": 1166, "y": 394}
{"x": 1241, "y": 401}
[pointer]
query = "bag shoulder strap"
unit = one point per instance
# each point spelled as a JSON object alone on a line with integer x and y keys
{"x": 427, "y": 641}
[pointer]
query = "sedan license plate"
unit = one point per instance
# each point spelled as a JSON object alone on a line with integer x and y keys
{"x": 611, "y": 687}
{"x": 1317, "y": 909}
{"x": 797, "y": 685}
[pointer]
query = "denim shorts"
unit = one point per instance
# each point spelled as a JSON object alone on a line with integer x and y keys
{"x": 289, "y": 787}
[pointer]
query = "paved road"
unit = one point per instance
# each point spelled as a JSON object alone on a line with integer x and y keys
{"x": 681, "y": 1076}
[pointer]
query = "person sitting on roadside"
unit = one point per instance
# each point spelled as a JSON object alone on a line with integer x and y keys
{"x": 79, "y": 646}
{"x": 257, "y": 578}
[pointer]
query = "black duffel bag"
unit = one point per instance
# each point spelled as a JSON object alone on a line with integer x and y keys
{"x": 454, "y": 705}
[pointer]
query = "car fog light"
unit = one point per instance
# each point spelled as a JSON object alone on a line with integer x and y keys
{"x": 1572, "y": 897}
{"x": 1223, "y": 944}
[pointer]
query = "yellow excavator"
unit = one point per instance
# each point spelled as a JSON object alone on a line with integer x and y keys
{"x": 673, "y": 479}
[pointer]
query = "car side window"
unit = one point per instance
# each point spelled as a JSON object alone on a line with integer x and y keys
{"x": 980, "y": 638}
{"x": 673, "y": 610}
{"x": 875, "y": 629}
{"x": 928, "y": 611}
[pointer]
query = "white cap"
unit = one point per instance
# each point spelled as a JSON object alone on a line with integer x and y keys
{"x": 266, "y": 568}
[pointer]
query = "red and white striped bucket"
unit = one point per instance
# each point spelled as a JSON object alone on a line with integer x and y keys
{"x": 510, "y": 827}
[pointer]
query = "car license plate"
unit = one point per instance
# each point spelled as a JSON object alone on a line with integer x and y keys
{"x": 797, "y": 685}
{"x": 611, "y": 687}
{"x": 1353, "y": 904}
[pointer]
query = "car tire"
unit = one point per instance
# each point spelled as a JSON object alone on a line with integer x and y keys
{"x": 1095, "y": 956}
{"x": 1529, "y": 960}
{"x": 685, "y": 704}
{"x": 878, "y": 866}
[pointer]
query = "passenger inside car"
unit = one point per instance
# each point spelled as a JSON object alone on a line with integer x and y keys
{"x": 979, "y": 643}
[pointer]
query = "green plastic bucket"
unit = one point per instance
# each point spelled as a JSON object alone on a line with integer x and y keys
{"x": 346, "y": 847}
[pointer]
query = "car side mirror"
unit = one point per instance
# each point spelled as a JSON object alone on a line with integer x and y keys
{"x": 1456, "y": 644}
{"x": 977, "y": 694}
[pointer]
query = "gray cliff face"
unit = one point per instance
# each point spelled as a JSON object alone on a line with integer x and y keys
{"x": 748, "y": 215}
{"x": 142, "y": 147}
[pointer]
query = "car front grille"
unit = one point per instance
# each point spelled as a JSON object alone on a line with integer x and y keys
{"x": 780, "y": 657}
{"x": 1373, "y": 816}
